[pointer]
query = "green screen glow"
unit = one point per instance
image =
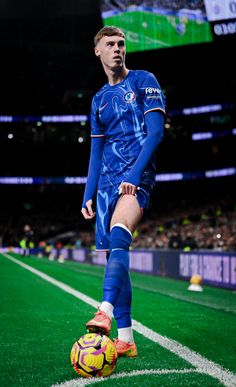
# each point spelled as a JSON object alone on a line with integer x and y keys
{"x": 156, "y": 26}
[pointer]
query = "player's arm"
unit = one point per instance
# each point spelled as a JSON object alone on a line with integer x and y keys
{"x": 95, "y": 161}
{"x": 154, "y": 121}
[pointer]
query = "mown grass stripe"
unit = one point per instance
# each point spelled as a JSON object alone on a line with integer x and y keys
{"x": 205, "y": 366}
{"x": 170, "y": 294}
{"x": 85, "y": 382}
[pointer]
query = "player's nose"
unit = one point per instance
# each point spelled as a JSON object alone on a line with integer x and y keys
{"x": 117, "y": 48}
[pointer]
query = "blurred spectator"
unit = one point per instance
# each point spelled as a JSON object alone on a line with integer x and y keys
{"x": 28, "y": 236}
{"x": 175, "y": 241}
{"x": 189, "y": 242}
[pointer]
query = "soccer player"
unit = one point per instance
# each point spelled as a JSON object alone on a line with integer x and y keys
{"x": 127, "y": 121}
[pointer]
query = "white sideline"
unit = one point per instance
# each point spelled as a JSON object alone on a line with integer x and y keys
{"x": 202, "y": 364}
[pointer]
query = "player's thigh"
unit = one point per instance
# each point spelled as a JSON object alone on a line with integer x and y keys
{"x": 127, "y": 212}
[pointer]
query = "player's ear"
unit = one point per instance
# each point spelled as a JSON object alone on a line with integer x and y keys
{"x": 97, "y": 51}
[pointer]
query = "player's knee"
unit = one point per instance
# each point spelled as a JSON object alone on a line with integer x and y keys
{"x": 121, "y": 237}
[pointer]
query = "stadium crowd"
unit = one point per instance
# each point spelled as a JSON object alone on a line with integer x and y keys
{"x": 199, "y": 229}
{"x": 171, "y": 224}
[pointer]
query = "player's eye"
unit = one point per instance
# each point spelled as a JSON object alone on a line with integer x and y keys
{"x": 121, "y": 44}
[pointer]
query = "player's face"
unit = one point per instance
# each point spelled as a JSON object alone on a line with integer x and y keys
{"x": 111, "y": 51}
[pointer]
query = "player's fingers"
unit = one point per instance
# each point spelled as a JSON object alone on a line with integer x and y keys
{"x": 86, "y": 214}
{"x": 89, "y": 205}
{"x": 131, "y": 189}
{"x": 90, "y": 216}
{"x": 90, "y": 210}
{"x": 124, "y": 189}
{"x": 127, "y": 189}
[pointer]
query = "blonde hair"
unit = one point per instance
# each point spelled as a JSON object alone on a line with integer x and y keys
{"x": 108, "y": 31}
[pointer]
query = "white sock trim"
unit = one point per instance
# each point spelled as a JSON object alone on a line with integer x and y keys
{"x": 107, "y": 308}
{"x": 126, "y": 334}
{"x": 122, "y": 226}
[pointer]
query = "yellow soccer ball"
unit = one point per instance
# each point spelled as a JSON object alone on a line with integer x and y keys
{"x": 93, "y": 355}
{"x": 196, "y": 279}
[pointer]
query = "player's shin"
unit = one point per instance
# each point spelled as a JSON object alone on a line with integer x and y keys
{"x": 118, "y": 264}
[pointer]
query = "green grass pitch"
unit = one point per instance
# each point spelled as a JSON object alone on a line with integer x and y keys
{"x": 147, "y": 31}
{"x": 183, "y": 338}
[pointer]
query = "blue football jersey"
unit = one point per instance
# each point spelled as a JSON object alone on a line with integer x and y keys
{"x": 118, "y": 114}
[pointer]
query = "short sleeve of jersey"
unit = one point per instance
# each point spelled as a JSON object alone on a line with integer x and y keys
{"x": 152, "y": 95}
{"x": 96, "y": 125}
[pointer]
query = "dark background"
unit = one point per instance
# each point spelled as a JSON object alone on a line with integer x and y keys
{"x": 47, "y": 51}
{"x": 48, "y": 67}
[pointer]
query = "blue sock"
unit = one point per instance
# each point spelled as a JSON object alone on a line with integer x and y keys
{"x": 117, "y": 269}
{"x": 122, "y": 309}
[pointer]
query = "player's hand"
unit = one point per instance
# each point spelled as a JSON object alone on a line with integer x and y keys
{"x": 88, "y": 212}
{"x": 127, "y": 188}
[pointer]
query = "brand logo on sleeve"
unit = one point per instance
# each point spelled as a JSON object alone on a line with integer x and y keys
{"x": 152, "y": 90}
{"x": 129, "y": 96}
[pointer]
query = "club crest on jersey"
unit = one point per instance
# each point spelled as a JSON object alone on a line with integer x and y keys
{"x": 129, "y": 96}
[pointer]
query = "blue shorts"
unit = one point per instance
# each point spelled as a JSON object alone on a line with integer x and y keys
{"x": 105, "y": 206}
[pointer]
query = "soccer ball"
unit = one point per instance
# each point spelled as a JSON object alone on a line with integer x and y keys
{"x": 195, "y": 283}
{"x": 93, "y": 355}
{"x": 196, "y": 279}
